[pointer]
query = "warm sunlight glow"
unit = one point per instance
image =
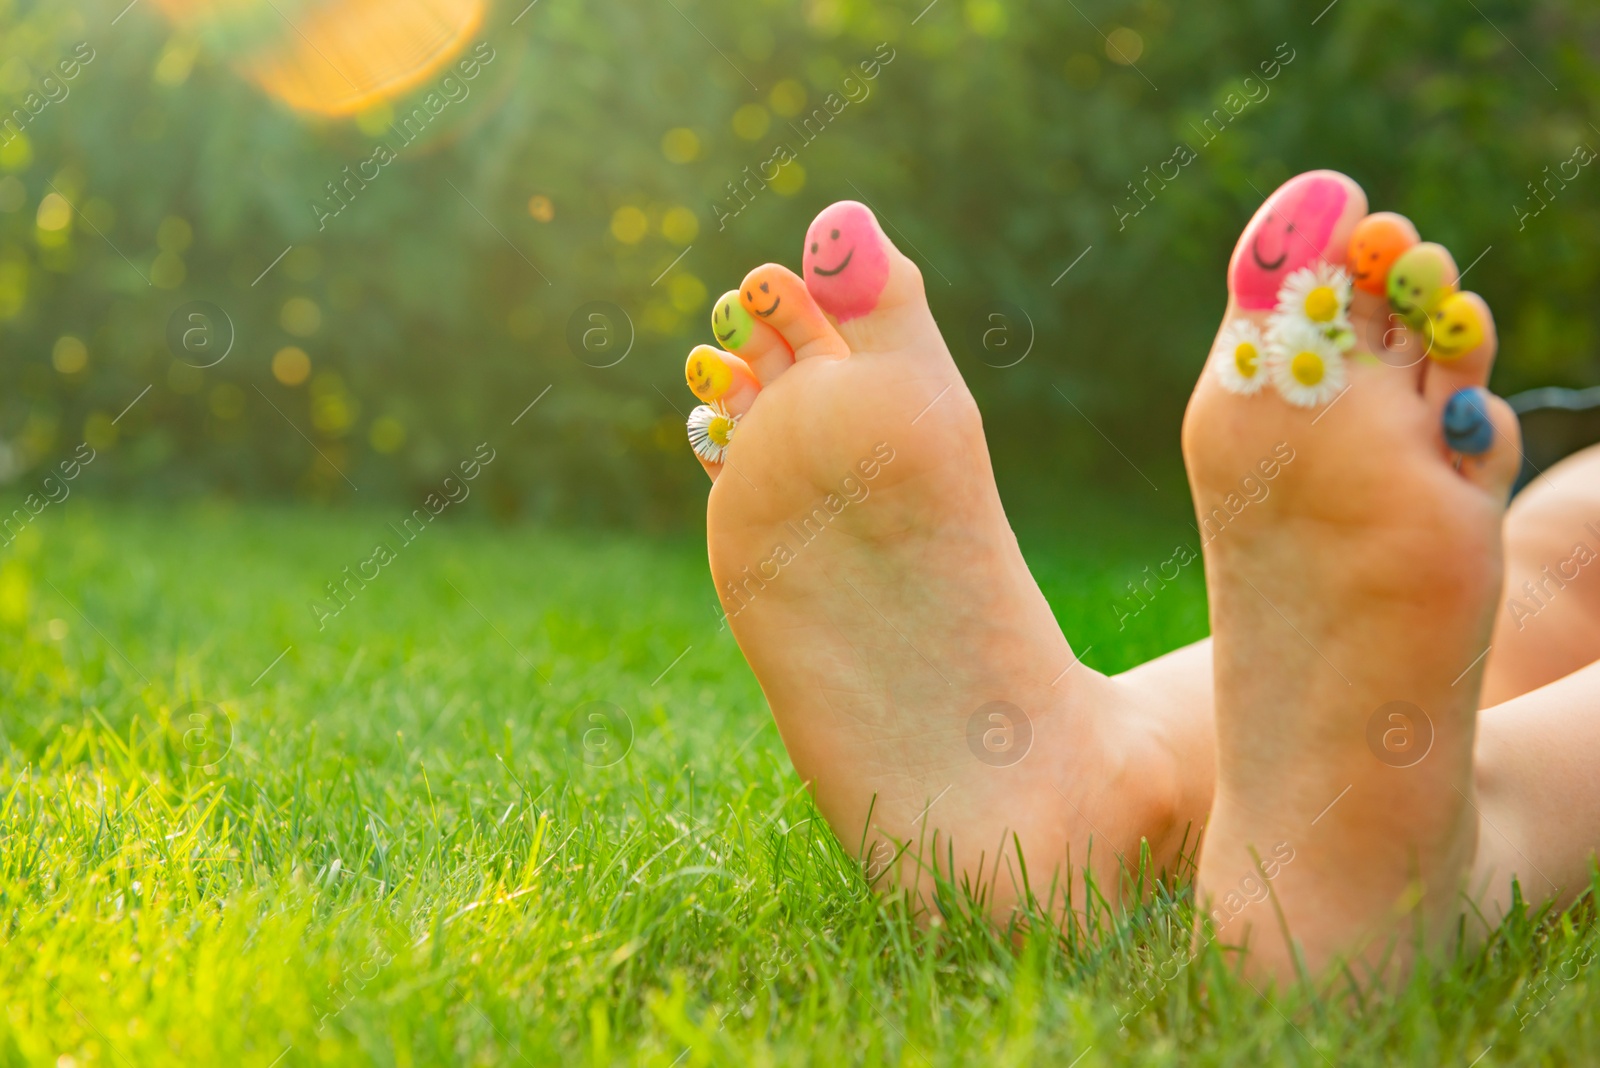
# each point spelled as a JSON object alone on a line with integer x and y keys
{"x": 334, "y": 57}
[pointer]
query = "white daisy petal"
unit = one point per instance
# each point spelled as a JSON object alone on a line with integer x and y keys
{"x": 1239, "y": 357}
{"x": 1318, "y": 297}
{"x": 1306, "y": 366}
{"x": 711, "y": 428}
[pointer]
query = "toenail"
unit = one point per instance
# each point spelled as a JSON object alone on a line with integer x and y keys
{"x": 709, "y": 377}
{"x": 847, "y": 279}
{"x": 1467, "y": 427}
{"x": 1379, "y": 240}
{"x": 1292, "y": 230}
{"x": 1455, "y": 328}
{"x": 1423, "y": 271}
{"x": 731, "y": 322}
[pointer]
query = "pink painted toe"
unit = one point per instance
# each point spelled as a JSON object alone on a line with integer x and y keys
{"x": 1293, "y": 229}
{"x": 846, "y": 261}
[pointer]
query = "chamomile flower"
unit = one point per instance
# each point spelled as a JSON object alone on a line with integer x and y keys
{"x": 1239, "y": 359}
{"x": 1306, "y": 365}
{"x": 710, "y": 430}
{"x": 1318, "y": 297}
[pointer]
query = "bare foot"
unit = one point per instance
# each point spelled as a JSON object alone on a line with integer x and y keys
{"x": 1351, "y": 607}
{"x": 858, "y": 544}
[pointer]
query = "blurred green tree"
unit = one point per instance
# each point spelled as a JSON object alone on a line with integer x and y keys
{"x": 398, "y": 290}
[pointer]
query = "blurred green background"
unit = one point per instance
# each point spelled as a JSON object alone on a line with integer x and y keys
{"x": 588, "y": 162}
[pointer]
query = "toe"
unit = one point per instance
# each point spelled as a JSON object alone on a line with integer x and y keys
{"x": 728, "y": 388}
{"x": 777, "y": 297}
{"x": 1376, "y": 243}
{"x": 1482, "y": 431}
{"x": 721, "y": 378}
{"x": 1308, "y": 220}
{"x": 1461, "y": 344}
{"x": 1290, "y": 254}
{"x": 760, "y": 346}
{"x": 856, "y": 275}
{"x": 1396, "y": 325}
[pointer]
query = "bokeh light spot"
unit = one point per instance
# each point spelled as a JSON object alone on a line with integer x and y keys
{"x": 986, "y": 18}
{"x": 751, "y": 121}
{"x": 329, "y": 58}
{"x": 291, "y": 365}
{"x": 1124, "y": 46}
{"x": 303, "y": 263}
{"x": 70, "y": 355}
{"x": 300, "y": 316}
{"x": 679, "y": 225}
{"x": 688, "y": 293}
{"x": 386, "y": 434}
{"x": 167, "y": 271}
{"x": 54, "y": 213}
{"x": 788, "y": 97}
{"x": 680, "y": 145}
{"x": 629, "y": 225}
{"x": 174, "y": 234}
{"x": 790, "y": 179}
{"x": 16, "y": 154}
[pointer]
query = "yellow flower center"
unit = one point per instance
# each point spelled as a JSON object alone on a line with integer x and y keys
{"x": 1322, "y": 304}
{"x": 1244, "y": 358}
{"x": 1307, "y": 368}
{"x": 720, "y": 431}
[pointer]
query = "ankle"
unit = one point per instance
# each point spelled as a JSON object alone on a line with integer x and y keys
{"x": 1161, "y": 780}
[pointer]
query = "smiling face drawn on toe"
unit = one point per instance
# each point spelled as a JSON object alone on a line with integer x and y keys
{"x": 1419, "y": 280}
{"x": 753, "y": 300}
{"x": 1290, "y": 231}
{"x": 730, "y": 323}
{"x": 1454, "y": 328}
{"x": 1378, "y": 241}
{"x": 846, "y": 263}
{"x": 708, "y": 376}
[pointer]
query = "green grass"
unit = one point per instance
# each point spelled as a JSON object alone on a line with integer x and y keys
{"x": 398, "y": 854}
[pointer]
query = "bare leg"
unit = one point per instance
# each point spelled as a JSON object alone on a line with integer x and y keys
{"x": 1537, "y": 769}
{"x": 1549, "y": 622}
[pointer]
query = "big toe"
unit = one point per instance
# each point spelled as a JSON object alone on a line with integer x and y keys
{"x": 856, "y": 275}
{"x": 1288, "y": 324}
{"x": 1307, "y": 221}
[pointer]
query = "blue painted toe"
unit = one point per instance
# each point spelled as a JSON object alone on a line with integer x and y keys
{"x": 1467, "y": 427}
